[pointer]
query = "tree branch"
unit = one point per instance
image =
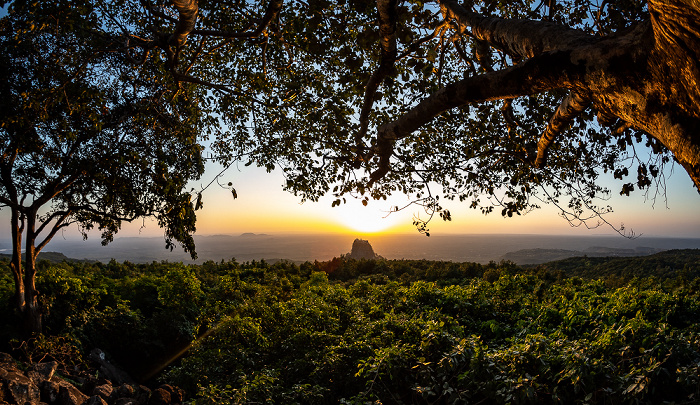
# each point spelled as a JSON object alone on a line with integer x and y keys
{"x": 571, "y": 106}
{"x": 548, "y": 71}
{"x": 273, "y": 10}
{"x": 188, "y": 10}
{"x": 54, "y": 188}
{"x": 524, "y": 38}
{"x": 57, "y": 226}
{"x": 387, "y": 40}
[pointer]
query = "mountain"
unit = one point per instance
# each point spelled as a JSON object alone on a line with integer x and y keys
{"x": 361, "y": 249}
{"x": 538, "y": 256}
{"x": 53, "y": 257}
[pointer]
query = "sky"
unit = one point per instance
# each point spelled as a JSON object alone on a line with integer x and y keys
{"x": 263, "y": 207}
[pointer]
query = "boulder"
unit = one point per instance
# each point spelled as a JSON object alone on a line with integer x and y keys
{"x": 7, "y": 362}
{"x": 125, "y": 391}
{"x": 166, "y": 395}
{"x": 42, "y": 386}
{"x": 108, "y": 370}
{"x": 45, "y": 370}
{"x": 142, "y": 393}
{"x": 96, "y": 400}
{"x": 69, "y": 395}
{"x": 104, "y": 391}
{"x": 127, "y": 401}
{"x": 19, "y": 388}
{"x": 49, "y": 391}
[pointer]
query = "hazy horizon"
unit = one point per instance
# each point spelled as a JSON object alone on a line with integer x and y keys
{"x": 480, "y": 248}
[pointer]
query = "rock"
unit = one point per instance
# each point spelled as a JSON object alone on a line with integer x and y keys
{"x": 7, "y": 362}
{"x": 361, "y": 249}
{"x": 108, "y": 370}
{"x": 69, "y": 395}
{"x": 49, "y": 391}
{"x": 127, "y": 401}
{"x": 125, "y": 391}
{"x": 166, "y": 395}
{"x": 42, "y": 386}
{"x": 45, "y": 370}
{"x": 96, "y": 400}
{"x": 104, "y": 391}
{"x": 19, "y": 388}
{"x": 142, "y": 394}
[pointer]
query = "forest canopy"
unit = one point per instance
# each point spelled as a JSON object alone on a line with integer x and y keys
{"x": 506, "y": 105}
{"x": 501, "y": 105}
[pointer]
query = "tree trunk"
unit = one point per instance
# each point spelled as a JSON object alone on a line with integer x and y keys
{"x": 32, "y": 312}
{"x": 16, "y": 263}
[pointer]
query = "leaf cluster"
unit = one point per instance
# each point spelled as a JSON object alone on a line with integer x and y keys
{"x": 85, "y": 139}
{"x": 289, "y": 333}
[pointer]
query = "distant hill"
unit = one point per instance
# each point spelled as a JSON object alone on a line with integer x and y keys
{"x": 663, "y": 265}
{"x": 538, "y": 256}
{"x": 53, "y": 257}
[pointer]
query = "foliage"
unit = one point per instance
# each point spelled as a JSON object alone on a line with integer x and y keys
{"x": 313, "y": 88}
{"x": 309, "y": 87}
{"x": 85, "y": 140}
{"x": 665, "y": 265}
{"x": 386, "y": 331}
{"x": 519, "y": 339}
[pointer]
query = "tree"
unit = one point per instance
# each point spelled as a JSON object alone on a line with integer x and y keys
{"x": 506, "y": 104}
{"x": 85, "y": 141}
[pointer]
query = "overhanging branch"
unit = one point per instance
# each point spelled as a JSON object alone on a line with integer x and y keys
{"x": 545, "y": 72}
{"x": 188, "y": 10}
{"x": 387, "y": 41}
{"x": 524, "y": 38}
{"x": 571, "y": 106}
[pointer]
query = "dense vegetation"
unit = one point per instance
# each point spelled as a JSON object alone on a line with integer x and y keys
{"x": 390, "y": 331}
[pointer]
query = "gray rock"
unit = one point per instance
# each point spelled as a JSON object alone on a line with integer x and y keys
{"x": 108, "y": 370}
{"x": 96, "y": 400}
{"x": 45, "y": 370}
{"x": 69, "y": 395}
{"x": 104, "y": 391}
{"x": 20, "y": 388}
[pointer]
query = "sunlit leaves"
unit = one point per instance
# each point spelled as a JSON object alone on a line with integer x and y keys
{"x": 301, "y": 87}
{"x": 94, "y": 142}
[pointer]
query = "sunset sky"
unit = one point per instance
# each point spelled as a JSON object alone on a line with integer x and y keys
{"x": 262, "y": 207}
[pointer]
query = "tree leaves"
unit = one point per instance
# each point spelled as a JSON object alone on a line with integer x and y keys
{"x": 95, "y": 142}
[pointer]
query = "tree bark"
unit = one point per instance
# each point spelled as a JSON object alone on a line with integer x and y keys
{"x": 16, "y": 262}
{"x": 572, "y": 105}
{"x": 32, "y": 312}
{"x": 648, "y": 77}
{"x": 188, "y": 10}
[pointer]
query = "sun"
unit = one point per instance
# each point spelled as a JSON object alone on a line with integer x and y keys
{"x": 365, "y": 219}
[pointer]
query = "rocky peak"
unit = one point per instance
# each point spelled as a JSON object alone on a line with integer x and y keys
{"x": 361, "y": 249}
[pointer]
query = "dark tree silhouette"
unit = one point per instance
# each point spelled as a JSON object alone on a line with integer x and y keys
{"x": 84, "y": 142}
{"x": 508, "y": 104}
